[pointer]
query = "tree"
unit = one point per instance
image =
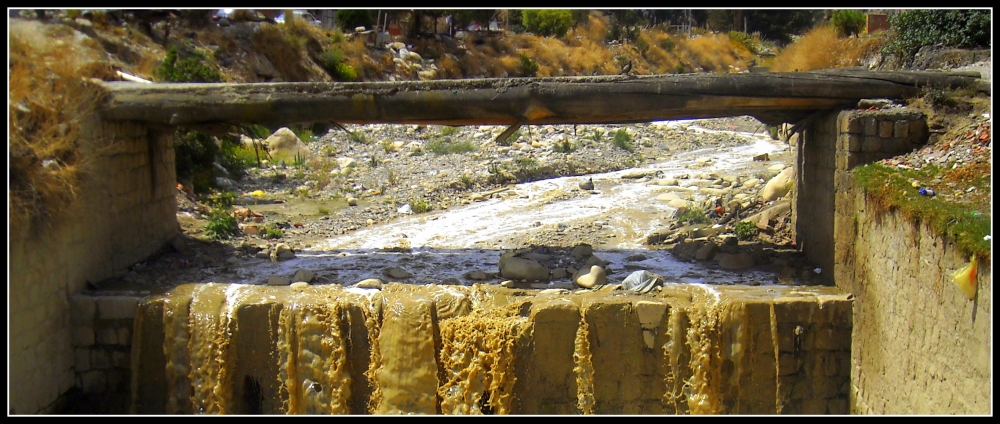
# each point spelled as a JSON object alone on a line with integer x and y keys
{"x": 913, "y": 29}
{"x": 848, "y": 22}
{"x": 547, "y": 22}
{"x": 348, "y": 19}
{"x": 780, "y": 25}
{"x": 624, "y": 23}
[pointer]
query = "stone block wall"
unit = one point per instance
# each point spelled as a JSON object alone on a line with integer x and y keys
{"x": 919, "y": 345}
{"x": 832, "y": 145}
{"x": 759, "y": 350}
{"x": 102, "y": 349}
{"x": 812, "y": 213}
{"x": 125, "y": 210}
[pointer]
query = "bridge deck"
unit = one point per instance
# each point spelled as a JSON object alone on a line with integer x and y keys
{"x": 771, "y": 97}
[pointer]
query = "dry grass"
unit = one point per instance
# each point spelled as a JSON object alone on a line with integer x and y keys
{"x": 49, "y": 94}
{"x": 662, "y": 53}
{"x": 284, "y": 50}
{"x": 448, "y": 67}
{"x": 714, "y": 53}
{"x": 821, "y": 48}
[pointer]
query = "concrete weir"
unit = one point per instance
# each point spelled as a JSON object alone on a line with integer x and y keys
{"x": 689, "y": 349}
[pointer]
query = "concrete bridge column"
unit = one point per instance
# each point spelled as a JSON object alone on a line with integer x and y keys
{"x": 829, "y": 148}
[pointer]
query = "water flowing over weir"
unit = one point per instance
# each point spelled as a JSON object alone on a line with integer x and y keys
{"x": 428, "y": 348}
{"x": 241, "y": 349}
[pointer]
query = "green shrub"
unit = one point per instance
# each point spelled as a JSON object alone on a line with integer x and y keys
{"x": 271, "y": 232}
{"x": 525, "y": 164}
{"x": 348, "y": 19}
{"x": 623, "y": 141}
{"x": 745, "y": 230}
{"x": 444, "y": 146}
{"x": 359, "y": 137}
{"x": 913, "y": 29}
{"x": 528, "y": 66}
{"x": 337, "y": 36}
{"x": 547, "y": 22}
{"x": 693, "y": 216}
{"x": 222, "y": 200}
{"x": 332, "y": 61}
{"x": 668, "y": 45}
{"x": 236, "y": 158}
{"x": 221, "y": 224}
{"x": 303, "y": 133}
{"x": 190, "y": 69}
{"x": 563, "y": 146}
{"x": 848, "y": 22}
{"x": 466, "y": 180}
{"x": 745, "y": 40}
{"x": 194, "y": 154}
{"x": 420, "y": 205}
{"x": 446, "y": 130}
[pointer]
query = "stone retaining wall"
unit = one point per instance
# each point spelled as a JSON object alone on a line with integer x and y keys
{"x": 829, "y": 148}
{"x": 125, "y": 211}
{"x": 919, "y": 345}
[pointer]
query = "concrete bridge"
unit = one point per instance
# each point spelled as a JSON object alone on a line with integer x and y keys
{"x": 130, "y": 207}
{"x": 773, "y": 98}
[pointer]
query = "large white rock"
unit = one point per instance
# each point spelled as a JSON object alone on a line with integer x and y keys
{"x": 778, "y": 186}
{"x": 516, "y": 268}
{"x": 595, "y": 278}
{"x": 285, "y": 146}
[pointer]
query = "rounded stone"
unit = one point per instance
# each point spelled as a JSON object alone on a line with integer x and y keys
{"x": 595, "y": 278}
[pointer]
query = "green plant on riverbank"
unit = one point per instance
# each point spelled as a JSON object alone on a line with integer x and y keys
{"x": 270, "y": 231}
{"x": 563, "y": 146}
{"x": 693, "y": 216}
{"x": 745, "y": 230}
{"x": 444, "y": 146}
{"x": 221, "y": 224}
{"x": 420, "y": 205}
{"x": 623, "y": 140}
{"x": 965, "y": 223}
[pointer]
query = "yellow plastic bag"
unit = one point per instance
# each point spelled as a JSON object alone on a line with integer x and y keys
{"x": 966, "y": 279}
{"x": 257, "y": 193}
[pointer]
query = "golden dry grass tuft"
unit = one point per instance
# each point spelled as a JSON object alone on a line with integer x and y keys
{"x": 713, "y": 53}
{"x": 821, "y": 48}
{"x": 49, "y": 94}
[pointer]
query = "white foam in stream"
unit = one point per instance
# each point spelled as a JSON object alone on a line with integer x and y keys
{"x": 449, "y": 243}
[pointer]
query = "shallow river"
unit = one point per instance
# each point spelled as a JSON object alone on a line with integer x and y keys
{"x": 445, "y": 244}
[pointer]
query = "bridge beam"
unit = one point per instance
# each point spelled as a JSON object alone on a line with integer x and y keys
{"x": 771, "y": 97}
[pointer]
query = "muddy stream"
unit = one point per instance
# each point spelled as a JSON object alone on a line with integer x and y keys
{"x": 441, "y": 245}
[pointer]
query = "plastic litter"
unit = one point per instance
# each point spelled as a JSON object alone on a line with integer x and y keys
{"x": 642, "y": 281}
{"x": 258, "y": 193}
{"x": 966, "y": 279}
{"x": 927, "y": 192}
